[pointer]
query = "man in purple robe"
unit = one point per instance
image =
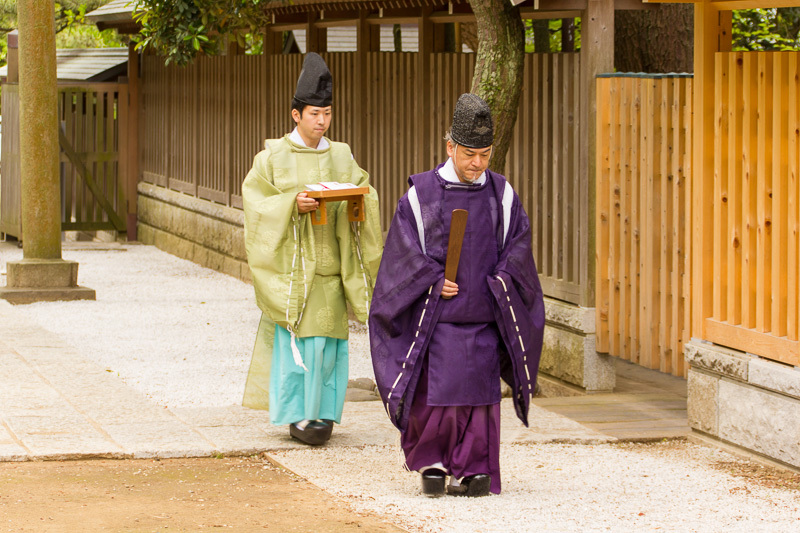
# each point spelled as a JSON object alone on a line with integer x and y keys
{"x": 440, "y": 348}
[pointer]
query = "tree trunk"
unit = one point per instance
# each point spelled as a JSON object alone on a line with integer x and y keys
{"x": 499, "y": 63}
{"x": 541, "y": 36}
{"x": 654, "y": 41}
{"x": 567, "y": 35}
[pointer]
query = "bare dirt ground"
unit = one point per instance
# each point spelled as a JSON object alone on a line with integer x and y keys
{"x": 235, "y": 494}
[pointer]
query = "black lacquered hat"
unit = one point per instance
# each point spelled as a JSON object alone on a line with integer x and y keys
{"x": 473, "y": 126}
{"x": 315, "y": 84}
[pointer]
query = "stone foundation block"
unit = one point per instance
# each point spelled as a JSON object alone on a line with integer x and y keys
{"x": 745, "y": 400}
{"x": 569, "y": 352}
{"x": 702, "y": 408}
{"x": 42, "y": 273}
{"x": 718, "y": 360}
{"x": 760, "y": 421}
{"x": 775, "y": 377}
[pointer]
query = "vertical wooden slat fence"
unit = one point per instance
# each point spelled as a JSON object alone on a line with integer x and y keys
{"x": 756, "y": 205}
{"x": 543, "y": 166}
{"x": 10, "y": 199}
{"x": 91, "y": 117}
{"x": 643, "y": 207}
{"x": 219, "y": 110}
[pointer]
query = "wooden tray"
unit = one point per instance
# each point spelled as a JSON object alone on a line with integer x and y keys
{"x": 354, "y": 198}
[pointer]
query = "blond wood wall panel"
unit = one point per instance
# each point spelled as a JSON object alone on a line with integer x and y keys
{"x": 755, "y": 234}
{"x": 643, "y": 205}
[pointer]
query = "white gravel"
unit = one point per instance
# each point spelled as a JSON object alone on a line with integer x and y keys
{"x": 670, "y": 487}
{"x": 183, "y": 334}
{"x": 177, "y": 332}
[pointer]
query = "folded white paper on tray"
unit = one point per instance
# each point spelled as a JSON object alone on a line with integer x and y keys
{"x": 329, "y": 186}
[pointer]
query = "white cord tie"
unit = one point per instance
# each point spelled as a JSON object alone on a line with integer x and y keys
{"x": 298, "y": 359}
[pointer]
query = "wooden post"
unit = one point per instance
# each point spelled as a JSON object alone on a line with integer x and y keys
{"x": 706, "y": 44}
{"x": 364, "y": 45}
{"x": 597, "y": 56}
{"x": 41, "y": 275}
{"x": 273, "y": 42}
{"x": 316, "y": 38}
{"x": 725, "y": 31}
{"x": 13, "y": 57}
{"x": 132, "y": 138}
{"x": 424, "y": 111}
{"x": 39, "y": 149}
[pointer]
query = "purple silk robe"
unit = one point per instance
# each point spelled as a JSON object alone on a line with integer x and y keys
{"x": 494, "y": 325}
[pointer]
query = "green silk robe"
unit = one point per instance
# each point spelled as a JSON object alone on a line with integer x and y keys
{"x": 305, "y": 275}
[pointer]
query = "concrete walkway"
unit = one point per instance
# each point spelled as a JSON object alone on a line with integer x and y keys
{"x": 55, "y": 404}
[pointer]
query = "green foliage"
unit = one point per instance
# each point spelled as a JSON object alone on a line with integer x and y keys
{"x": 554, "y": 26}
{"x": 766, "y": 29}
{"x": 181, "y": 29}
{"x": 72, "y": 28}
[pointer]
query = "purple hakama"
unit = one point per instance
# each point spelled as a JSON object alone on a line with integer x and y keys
{"x": 465, "y": 439}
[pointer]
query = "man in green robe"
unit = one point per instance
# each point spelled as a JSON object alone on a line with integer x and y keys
{"x": 304, "y": 274}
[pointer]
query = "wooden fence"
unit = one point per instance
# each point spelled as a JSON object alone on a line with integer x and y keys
{"x": 204, "y": 123}
{"x": 756, "y": 205}
{"x": 10, "y": 186}
{"x": 93, "y": 195}
{"x": 643, "y": 206}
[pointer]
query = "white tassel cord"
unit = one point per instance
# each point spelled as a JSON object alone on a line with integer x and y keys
{"x": 298, "y": 359}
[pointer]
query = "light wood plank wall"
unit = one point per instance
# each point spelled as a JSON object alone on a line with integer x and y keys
{"x": 756, "y": 204}
{"x": 643, "y": 207}
{"x": 204, "y": 123}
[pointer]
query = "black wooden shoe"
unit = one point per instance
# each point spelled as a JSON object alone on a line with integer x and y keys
{"x": 313, "y": 434}
{"x": 329, "y": 424}
{"x": 433, "y": 482}
{"x": 472, "y": 486}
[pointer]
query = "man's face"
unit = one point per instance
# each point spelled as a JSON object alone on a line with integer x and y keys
{"x": 469, "y": 163}
{"x": 313, "y": 123}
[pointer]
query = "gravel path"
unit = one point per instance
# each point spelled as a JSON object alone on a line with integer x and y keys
{"x": 674, "y": 486}
{"x": 182, "y": 335}
{"x": 177, "y": 332}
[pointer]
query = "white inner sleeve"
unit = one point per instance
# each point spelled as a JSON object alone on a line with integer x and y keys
{"x": 508, "y": 198}
{"x": 414, "y": 201}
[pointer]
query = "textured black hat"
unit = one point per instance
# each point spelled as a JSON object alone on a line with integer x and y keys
{"x": 315, "y": 85}
{"x": 472, "y": 122}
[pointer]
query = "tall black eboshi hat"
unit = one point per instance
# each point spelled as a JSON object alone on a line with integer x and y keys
{"x": 315, "y": 84}
{"x": 473, "y": 126}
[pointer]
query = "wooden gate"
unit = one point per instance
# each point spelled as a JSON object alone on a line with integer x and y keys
{"x": 643, "y": 223}
{"x": 93, "y": 120}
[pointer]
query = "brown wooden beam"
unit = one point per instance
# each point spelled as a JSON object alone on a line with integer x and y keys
{"x": 597, "y": 57}
{"x": 424, "y": 108}
{"x": 286, "y": 26}
{"x": 336, "y": 23}
{"x": 706, "y": 45}
{"x": 537, "y": 14}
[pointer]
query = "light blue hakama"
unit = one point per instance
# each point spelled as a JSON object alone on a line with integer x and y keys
{"x": 295, "y": 394}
